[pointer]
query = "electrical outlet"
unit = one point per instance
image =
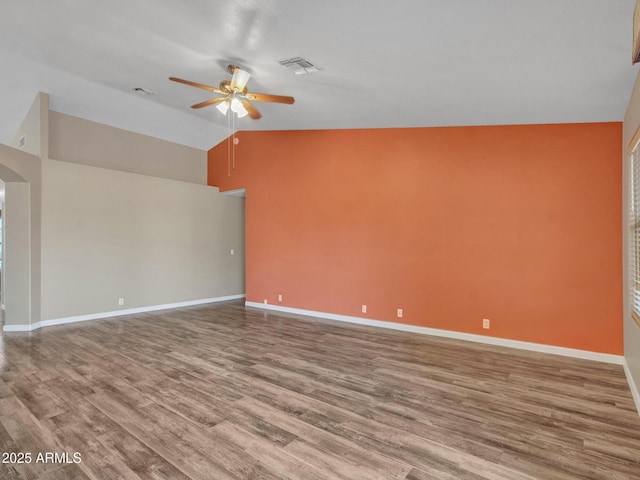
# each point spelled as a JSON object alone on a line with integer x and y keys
{"x": 399, "y": 313}
{"x": 364, "y": 309}
{"x": 121, "y": 301}
{"x": 279, "y": 297}
{"x": 265, "y": 301}
{"x": 486, "y": 323}
{"x": 232, "y": 252}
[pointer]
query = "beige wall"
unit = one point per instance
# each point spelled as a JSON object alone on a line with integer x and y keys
{"x": 110, "y": 234}
{"x": 76, "y": 140}
{"x": 631, "y": 329}
{"x": 35, "y": 128}
{"x": 116, "y": 214}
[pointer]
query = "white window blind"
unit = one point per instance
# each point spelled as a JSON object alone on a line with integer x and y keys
{"x": 634, "y": 235}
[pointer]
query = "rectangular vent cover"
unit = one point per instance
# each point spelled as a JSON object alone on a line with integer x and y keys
{"x": 300, "y": 65}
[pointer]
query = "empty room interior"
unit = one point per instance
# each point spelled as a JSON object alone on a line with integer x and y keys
{"x": 320, "y": 240}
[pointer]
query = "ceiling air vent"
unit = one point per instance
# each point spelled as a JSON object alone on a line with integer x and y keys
{"x": 143, "y": 91}
{"x": 300, "y": 65}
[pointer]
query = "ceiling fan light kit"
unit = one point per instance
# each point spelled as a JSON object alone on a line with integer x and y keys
{"x": 223, "y": 107}
{"x": 239, "y": 79}
{"x": 235, "y": 96}
{"x": 238, "y": 108}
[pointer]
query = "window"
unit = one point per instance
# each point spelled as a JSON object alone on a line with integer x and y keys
{"x": 634, "y": 234}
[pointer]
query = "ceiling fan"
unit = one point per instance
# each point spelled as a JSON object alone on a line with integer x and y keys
{"x": 235, "y": 96}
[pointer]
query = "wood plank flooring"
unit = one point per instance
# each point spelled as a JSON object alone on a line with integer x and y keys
{"x": 224, "y": 392}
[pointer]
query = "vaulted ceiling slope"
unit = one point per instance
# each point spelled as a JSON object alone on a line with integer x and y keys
{"x": 406, "y": 63}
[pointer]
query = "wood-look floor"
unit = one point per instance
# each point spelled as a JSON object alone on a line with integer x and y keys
{"x": 223, "y": 392}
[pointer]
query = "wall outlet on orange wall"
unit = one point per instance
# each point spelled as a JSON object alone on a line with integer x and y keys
{"x": 364, "y": 309}
{"x": 279, "y": 297}
{"x": 486, "y": 323}
{"x": 400, "y": 313}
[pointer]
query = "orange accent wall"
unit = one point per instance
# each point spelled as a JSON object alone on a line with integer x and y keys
{"x": 518, "y": 224}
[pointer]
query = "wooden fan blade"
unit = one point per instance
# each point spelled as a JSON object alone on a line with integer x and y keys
{"x": 197, "y": 85}
{"x": 251, "y": 110}
{"x": 265, "y": 97}
{"x": 208, "y": 102}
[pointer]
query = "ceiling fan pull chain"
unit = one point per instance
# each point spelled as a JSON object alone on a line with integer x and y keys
{"x": 229, "y": 145}
{"x": 233, "y": 145}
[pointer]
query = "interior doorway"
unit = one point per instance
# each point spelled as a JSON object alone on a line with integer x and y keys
{"x": 242, "y": 193}
{"x": 15, "y": 256}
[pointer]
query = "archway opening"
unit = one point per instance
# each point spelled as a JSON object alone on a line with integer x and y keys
{"x": 15, "y": 273}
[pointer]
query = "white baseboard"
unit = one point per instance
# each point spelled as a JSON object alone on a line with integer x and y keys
{"x": 635, "y": 393}
{"x": 115, "y": 313}
{"x": 502, "y": 342}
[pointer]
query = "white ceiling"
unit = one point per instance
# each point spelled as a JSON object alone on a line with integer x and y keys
{"x": 406, "y": 63}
